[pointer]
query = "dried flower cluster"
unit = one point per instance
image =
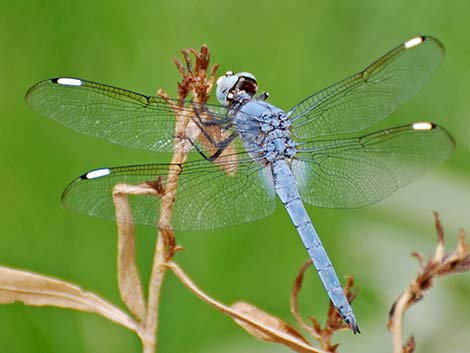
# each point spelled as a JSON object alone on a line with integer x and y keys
{"x": 441, "y": 264}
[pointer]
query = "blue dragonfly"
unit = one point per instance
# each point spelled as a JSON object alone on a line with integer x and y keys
{"x": 317, "y": 152}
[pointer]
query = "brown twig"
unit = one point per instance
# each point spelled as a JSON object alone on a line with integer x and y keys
{"x": 195, "y": 82}
{"x": 149, "y": 341}
{"x": 166, "y": 244}
{"x": 442, "y": 264}
{"x": 294, "y": 306}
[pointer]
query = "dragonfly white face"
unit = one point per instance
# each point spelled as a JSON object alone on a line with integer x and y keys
{"x": 230, "y": 85}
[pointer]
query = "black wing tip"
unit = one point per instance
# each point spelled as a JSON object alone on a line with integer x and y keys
{"x": 425, "y": 38}
{"x": 31, "y": 89}
{"x": 54, "y": 80}
{"x": 83, "y": 177}
{"x": 449, "y": 135}
{"x": 435, "y": 40}
{"x": 434, "y": 126}
{"x": 62, "y": 81}
{"x": 57, "y": 79}
{"x": 422, "y": 38}
{"x": 63, "y": 196}
{"x": 92, "y": 174}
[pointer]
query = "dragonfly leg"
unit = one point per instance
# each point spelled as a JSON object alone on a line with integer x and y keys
{"x": 263, "y": 96}
{"x": 222, "y": 124}
{"x": 220, "y": 146}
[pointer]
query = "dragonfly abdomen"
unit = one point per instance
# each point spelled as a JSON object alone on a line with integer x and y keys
{"x": 286, "y": 189}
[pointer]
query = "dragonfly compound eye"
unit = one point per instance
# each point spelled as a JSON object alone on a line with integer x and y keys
{"x": 231, "y": 85}
{"x": 246, "y": 83}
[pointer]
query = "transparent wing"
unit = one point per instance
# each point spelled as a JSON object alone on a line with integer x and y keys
{"x": 355, "y": 172}
{"x": 208, "y": 196}
{"x": 111, "y": 113}
{"x": 370, "y": 95}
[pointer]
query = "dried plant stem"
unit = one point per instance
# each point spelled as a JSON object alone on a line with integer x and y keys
{"x": 128, "y": 278}
{"x": 294, "y": 307}
{"x": 269, "y": 331}
{"x": 192, "y": 81}
{"x": 149, "y": 341}
{"x": 164, "y": 237}
{"x": 396, "y": 326}
{"x": 162, "y": 252}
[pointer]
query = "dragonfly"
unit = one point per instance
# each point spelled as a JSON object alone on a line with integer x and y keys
{"x": 319, "y": 152}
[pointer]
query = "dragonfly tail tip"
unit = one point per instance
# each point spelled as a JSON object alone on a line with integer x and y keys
{"x": 352, "y": 323}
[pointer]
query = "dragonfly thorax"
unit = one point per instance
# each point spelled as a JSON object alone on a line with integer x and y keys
{"x": 264, "y": 130}
{"x": 263, "y": 127}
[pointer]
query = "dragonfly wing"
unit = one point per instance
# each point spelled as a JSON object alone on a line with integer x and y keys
{"x": 370, "y": 95}
{"x": 355, "y": 172}
{"x": 208, "y": 196}
{"x": 117, "y": 115}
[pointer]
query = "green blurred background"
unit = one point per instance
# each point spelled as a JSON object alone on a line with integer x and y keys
{"x": 294, "y": 48}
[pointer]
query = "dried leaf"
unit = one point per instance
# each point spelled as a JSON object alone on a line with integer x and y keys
{"x": 265, "y": 319}
{"x": 38, "y": 290}
{"x": 130, "y": 285}
{"x": 280, "y": 336}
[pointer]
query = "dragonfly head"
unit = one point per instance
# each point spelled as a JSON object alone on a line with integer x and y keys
{"x": 231, "y": 85}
